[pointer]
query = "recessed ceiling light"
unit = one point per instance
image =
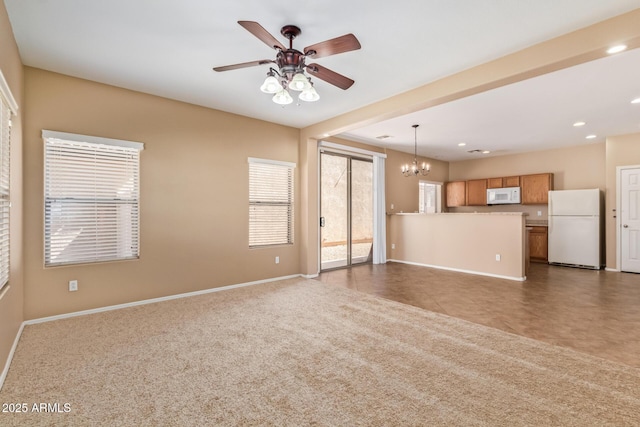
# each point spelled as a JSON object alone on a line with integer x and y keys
{"x": 462, "y": 144}
{"x": 578, "y": 124}
{"x": 326, "y": 135}
{"x": 383, "y": 137}
{"x": 617, "y": 49}
{"x": 486, "y": 152}
{"x": 636, "y": 101}
{"x": 591, "y": 136}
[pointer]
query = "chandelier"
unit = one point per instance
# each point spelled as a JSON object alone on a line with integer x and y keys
{"x": 292, "y": 78}
{"x": 413, "y": 169}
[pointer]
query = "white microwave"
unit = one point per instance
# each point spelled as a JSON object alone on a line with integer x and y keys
{"x": 503, "y": 196}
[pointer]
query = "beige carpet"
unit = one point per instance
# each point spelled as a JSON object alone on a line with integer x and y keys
{"x": 298, "y": 353}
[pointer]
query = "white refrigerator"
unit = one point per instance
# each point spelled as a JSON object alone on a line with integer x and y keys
{"x": 575, "y": 228}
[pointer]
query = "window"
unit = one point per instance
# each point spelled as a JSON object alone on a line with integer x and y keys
{"x": 270, "y": 202}
{"x": 8, "y": 107}
{"x": 91, "y": 194}
{"x": 430, "y": 199}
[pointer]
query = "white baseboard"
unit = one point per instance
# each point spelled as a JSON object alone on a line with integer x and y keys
{"x": 154, "y": 300}
{"x": 614, "y": 270}
{"x": 5, "y": 371}
{"x": 479, "y": 273}
{"x": 309, "y": 276}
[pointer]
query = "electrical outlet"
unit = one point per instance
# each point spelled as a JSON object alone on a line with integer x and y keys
{"x": 393, "y": 246}
{"x": 539, "y": 213}
{"x": 392, "y": 207}
{"x": 498, "y": 257}
{"x": 73, "y": 285}
{"x": 277, "y": 260}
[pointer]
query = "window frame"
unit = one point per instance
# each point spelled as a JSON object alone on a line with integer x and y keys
{"x": 289, "y": 168}
{"x": 108, "y": 161}
{"x": 8, "y": 109}
{"x": 422, "y": 200}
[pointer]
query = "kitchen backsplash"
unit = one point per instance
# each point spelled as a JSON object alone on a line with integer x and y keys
{"x": 531, "y": 210}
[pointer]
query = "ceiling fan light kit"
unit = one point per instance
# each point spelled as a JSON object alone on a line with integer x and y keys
{"x": 299, "y": 82}
{"x": 282, "y": 98}
{"x": 309, "y": 95}
{"x": 271, "y": 84}
{"x": 291, "y": 64}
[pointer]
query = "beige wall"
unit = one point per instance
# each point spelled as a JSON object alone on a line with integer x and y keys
{"x": 11, "y": 304}
{"x": 461, "y": 242}
{"x": 194, "y": 194}
{"x": 621, "y": 151}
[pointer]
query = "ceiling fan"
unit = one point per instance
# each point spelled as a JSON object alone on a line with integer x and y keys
{"x": 291, "y": 63}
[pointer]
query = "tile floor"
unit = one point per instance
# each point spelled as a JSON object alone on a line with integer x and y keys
{"x": 595, "y": 312}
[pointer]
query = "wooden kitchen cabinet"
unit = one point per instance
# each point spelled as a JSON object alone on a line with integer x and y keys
{"x": 495, "y": 182}
{"x": 477, "y": 192}
{"x": 535, "y": 188}
{"x": 511, "y": 181}
{"x": 538, "y": 244}
{"x": 456, "y": 193}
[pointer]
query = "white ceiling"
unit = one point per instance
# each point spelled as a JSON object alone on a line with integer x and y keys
{"x": 168, "y": 48}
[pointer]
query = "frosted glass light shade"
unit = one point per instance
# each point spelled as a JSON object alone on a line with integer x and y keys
{"x": 299, "y": 82}
{"x": 309, "y": 95}
{"x": 282, "y": 98}
{"x": 271, "y": 85}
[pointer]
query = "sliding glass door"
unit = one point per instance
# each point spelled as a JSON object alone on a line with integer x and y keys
{"x": 346, "y": 210}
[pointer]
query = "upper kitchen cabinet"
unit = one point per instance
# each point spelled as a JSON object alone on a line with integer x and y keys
{"x": 456, "y": 193}
{"x": 495, "y": 182}
{"x": 535, "y": 188}
{"x": 511, "y": 181}
{"x": 477, "y": 192}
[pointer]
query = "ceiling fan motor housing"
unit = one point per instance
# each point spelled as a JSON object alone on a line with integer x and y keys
{"x": 290, "y": 62}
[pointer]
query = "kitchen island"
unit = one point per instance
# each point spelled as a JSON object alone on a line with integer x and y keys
{"x": 490, "y": 244}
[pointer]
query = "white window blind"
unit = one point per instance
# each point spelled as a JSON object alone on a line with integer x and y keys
{"x": 5, "y": 135}
{"x": 270, "y": 202}
{"x": 91, "y": 199}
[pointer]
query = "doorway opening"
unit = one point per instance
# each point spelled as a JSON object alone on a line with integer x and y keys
{"x": 346, "y": 210}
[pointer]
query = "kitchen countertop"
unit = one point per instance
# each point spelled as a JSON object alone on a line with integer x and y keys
{"x": 537, "y": 223}
{"x": 462, "y": 213}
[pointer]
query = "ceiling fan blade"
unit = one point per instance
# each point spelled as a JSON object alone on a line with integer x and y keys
{"x": 345, "y": 43}
{"x": 330, "y": 76}
{"x": 244, "y": 65}
{"x": 259, "y": 31}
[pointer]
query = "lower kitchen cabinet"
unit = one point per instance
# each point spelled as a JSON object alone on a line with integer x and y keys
{"x": 538, "y": 244}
